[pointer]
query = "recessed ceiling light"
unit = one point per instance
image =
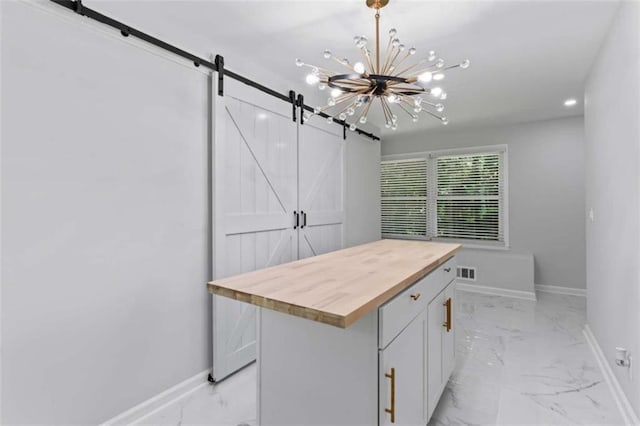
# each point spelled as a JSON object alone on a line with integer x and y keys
{"x": 570, "y": 102}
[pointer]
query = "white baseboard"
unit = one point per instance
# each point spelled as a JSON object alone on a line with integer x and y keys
{"x": 496, "y": 291}
{"x": 628, "y": 415}
{"x": 562, "y": 290}
{"x": 160, "y": 401}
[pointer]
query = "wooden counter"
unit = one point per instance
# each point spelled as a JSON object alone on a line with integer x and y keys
{"x": 340, "y": 287}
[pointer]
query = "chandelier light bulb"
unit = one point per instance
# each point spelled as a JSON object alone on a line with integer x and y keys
{"x": 312, "y": 79}
{"x": 327, "y": 54}
{"x": 299, "y": 62}
{"x": 342, "y": 116}
{"x": 345, "y": 61}
{"x": 356, "y": 40}
{"x": 393, "y": 32}
{"x": 443, "y": 95}
{"x": 322, "y": 86}
{"x": 350, "y": 111}
{"x": 417, "y": 109}
{"x": 412, "y": 51}
{"x": 392, "y": 98}
{"x": 363, "y": 119}
{"x": 352, "y": 127}
{"x": 465, "y": 64}
{"x": 432, "y": 55}
{"x": 440, "y": 63}
{"x": 395, "y": 42}
{"x": 445, "y": 120}
{"x": 414, "y": 118}
{"x": 317, "y": 110}
{"x": 362, "y": 42}
{"x": 425, "y": 77}
{"x": 439, "y": 107}
{"x": 331, "y": 101}
{"x": 439, "y": 76}
{"x": 436, "y": 91}
{"x": 401, "y": 47}
{"x": 394, "y": 126}
{"x": 329, "y": 119}
{"x": 335, "y": 92}
{"x": 387, "y": 125}
{"x": 358, "y": 67}
{"x": 394, "y": 118}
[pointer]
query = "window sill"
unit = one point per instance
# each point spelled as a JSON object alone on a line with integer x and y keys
{"x": 476, "y": 245}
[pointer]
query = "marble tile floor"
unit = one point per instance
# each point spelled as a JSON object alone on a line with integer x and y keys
{"x": 518, "y": 362}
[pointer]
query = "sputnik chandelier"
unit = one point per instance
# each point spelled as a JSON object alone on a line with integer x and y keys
{"x": 390, "y": 79}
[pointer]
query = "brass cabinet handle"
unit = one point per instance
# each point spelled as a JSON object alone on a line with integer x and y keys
{"x": 447, "y": 323}
{"x": 416, "y": 296}
{"x": 392, "y": 410}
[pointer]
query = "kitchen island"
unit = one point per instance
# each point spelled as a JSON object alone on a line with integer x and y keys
{"x": 360, "y": 336}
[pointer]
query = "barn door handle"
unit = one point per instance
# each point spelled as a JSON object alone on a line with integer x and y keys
{"x": 297, "y": 216}
{"x": 304, "y": 219}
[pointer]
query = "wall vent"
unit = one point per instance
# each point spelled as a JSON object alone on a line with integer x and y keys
{"x": 467, "y": 273}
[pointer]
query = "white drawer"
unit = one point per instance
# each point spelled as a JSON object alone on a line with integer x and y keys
{"x": 398, "y": 312}
{"x": 448, "y": 270}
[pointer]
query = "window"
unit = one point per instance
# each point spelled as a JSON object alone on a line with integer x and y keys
{"x": 403, "y": 186}
{"x": 452, "y": 195}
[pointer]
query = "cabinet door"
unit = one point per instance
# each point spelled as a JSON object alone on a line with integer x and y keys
{"x": 448, "y": 335}
{"x": 402, "y": 398}
{"x": 435, "y": 319}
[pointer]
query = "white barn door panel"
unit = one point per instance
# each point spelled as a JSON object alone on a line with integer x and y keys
{"x": 255, "y": 196}
{"x": 320, "y": 188}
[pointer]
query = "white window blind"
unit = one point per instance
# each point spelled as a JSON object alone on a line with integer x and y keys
{"x": 469, "y": 196}
{"x": 403, "y": 186}
{"x": 453, "y": 195}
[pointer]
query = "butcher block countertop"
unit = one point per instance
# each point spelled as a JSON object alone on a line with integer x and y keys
{"x": 339, "y": 287}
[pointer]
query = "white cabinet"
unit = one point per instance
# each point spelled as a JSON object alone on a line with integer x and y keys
{"x": 401, "y": 379}
{"x": 440, "y": 344}
{"x": 416, "y": 338}
{"x": 388, "y": 368}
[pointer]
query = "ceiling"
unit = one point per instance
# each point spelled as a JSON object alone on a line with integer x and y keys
{"x": 527, "y": 57}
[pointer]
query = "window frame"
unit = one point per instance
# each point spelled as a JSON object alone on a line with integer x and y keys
{"x": 431, "y": 158}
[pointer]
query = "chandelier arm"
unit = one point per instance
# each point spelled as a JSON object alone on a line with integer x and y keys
{"x": 388, "y": 107}
{"x": 401, "y": 61}
{"x": 387, "y": 59}
{"x": 341, "y": 62}
{"x": 365, "y": 110}
{"x": 365, "y": 52}
{"x": 423, "y": 70}
{"x": 388, "y": 67}
{"x": 388, "y": 50}
{"x": 384, "y": 110}
{"x": 432, "y": 114}
{"x": 405, "y": 110}
{"x": 326, "y": 71}
{"x": 420, "y": 62}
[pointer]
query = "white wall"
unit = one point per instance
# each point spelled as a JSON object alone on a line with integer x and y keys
{"x": 612, "y": 130}
{"x": 105, "y": 248}
{"x": 105, "y": 222}
{"x": 362, "y": 206}
{"x": 546, "y": 189}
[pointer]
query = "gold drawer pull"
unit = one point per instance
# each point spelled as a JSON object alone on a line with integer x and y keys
{"x": 447, "y": 322}
{"x": 392, "y": 410}
{"x": 416, "y": 296}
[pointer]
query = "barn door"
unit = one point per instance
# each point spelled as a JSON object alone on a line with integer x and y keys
{"x": 320, "y": 187}
{"x": 255, "y": 196}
